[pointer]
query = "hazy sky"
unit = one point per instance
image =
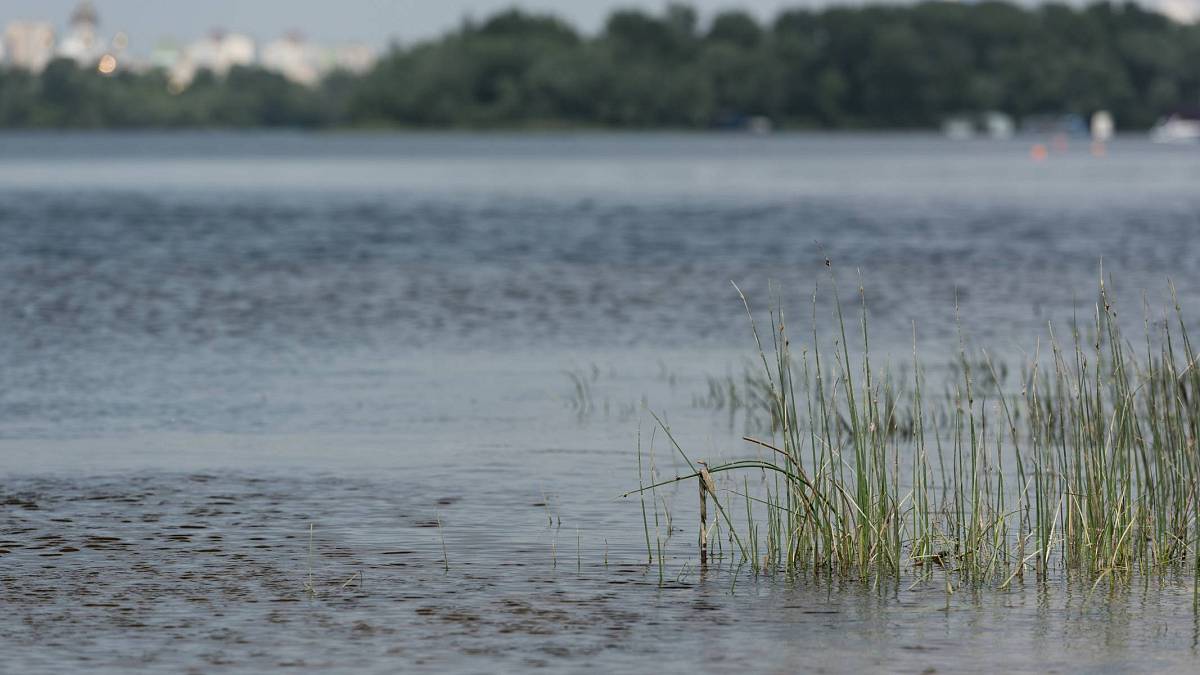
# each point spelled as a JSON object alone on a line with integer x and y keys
{"x": 372, "y": 21}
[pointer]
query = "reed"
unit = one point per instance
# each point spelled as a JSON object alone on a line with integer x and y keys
{"x": 1088, "y": 468}
{"x": 442, "y": 536}
{"x": 310, "y": 586}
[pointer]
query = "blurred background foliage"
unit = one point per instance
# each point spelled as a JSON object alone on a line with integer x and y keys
{"x": 881, "y": 66}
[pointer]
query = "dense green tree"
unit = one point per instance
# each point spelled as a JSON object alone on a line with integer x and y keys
{"x": 886, "y": 66}
{"x": 736, "y": 28}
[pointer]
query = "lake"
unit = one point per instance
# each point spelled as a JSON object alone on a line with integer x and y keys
{"x": 368, "y": 402}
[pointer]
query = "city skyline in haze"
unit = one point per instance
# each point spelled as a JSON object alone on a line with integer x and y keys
{"x": 376, "y": 22}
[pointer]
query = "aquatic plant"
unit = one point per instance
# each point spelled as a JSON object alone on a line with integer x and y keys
{"x": 1089, "y": 468}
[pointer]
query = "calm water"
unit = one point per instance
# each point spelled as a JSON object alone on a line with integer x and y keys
{"x": 210, "y": 342}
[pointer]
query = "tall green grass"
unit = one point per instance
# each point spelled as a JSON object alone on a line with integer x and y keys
{"x": 1089, "y": 468}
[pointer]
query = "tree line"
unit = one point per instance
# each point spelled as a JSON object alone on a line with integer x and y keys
{"x": 875, "y": 66}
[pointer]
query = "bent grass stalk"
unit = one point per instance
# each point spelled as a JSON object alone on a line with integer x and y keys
{"x": 442, "y": 535}
{"x": 1090, "y": 469}
{"x": 642, "y": 497}
{"x": 309, "y": 585}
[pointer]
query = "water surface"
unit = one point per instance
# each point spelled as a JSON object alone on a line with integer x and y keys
{"x": 211, "y": 342}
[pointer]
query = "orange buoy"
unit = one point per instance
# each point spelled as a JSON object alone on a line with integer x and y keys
{"x": 1038, "y": 152}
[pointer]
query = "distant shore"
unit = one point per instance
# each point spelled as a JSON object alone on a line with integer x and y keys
{"x": 878, "y": 67}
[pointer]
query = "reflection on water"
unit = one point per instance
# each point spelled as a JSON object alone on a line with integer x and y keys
{"x": 210, "y": 342}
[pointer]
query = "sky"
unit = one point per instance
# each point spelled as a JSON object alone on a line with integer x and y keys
{"x": 376, "y": 22}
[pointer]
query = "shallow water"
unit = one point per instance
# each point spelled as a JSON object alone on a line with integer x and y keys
{"x": 207, "y": 571}
{"x": 211, "y": 342}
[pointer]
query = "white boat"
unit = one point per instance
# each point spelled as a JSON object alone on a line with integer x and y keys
{"x": 998, "y": 126}
{"x": 1102, "y": 126}
{"x": 958, "y": 128}
{"x": 1177, "y": 128}
{"x": 990, "y": 124}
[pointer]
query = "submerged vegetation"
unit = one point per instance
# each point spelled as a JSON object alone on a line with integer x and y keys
{"x": 1088, "y": 469}
{"x": 880, "y": 66}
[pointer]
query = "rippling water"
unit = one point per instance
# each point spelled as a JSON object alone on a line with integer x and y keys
{"x": 210, "y": 342}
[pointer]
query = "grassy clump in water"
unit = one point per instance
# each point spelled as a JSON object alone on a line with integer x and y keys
{"x": 1090, "y": 469}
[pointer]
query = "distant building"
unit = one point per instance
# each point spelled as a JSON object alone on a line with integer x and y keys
{"x": 166, "y": 54}
{"x": 222, "y": 51}
{"x": 81, "y": 43}
{"x": 294, "y": 58}
{"x": 219, "y": 52}
{"x": 1182, "y": 11}
{"x": 305, "y": 63}
{"x": 29, "y": 44}
{"x": 353, "y": 58}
